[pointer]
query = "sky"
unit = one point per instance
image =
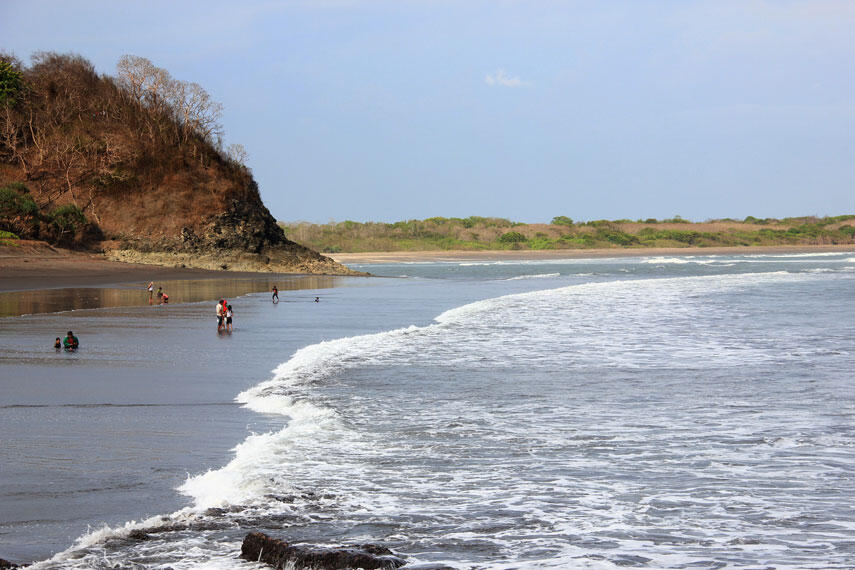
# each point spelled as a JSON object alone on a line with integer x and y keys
{"x": 372, "y": 110}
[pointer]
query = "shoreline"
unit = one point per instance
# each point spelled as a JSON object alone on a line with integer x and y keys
{"x": 531, "y": 255}
{"x": 40, "y": 268}
{"x": 35, "y": 270}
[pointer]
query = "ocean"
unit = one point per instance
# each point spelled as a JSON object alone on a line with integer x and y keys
{"x": 649, "y": 412}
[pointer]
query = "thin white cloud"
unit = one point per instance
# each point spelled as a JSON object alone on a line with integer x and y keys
{"x": 502, "y": 79}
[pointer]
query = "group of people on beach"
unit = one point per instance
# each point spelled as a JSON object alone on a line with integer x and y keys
{"x": 162, "y": 297}
{"x": 224, "y": 316}
{"x": 70, "y": 342}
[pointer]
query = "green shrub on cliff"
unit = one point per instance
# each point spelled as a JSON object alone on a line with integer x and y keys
{"x": 11, "y": 80}
{"x": 67, "y": 218}
{"x": 19, "y": 213}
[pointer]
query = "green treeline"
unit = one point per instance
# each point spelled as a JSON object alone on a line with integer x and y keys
{"x": 479, "y": 233}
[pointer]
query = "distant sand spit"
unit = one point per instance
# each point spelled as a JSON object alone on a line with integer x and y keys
{"x": 530, "y": 255}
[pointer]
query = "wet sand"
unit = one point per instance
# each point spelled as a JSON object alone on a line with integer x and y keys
{"x": 427, "y": 256}
{"x": 40, "y": 279}
{"x": 74, "y": 269}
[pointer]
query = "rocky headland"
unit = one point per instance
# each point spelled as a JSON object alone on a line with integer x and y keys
{"x": 131, "y": 166}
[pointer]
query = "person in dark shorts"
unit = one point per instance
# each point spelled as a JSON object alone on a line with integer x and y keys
{"x": 220, "y": 315}
{"x": 229, "y": 314}
{"x": 275, "y": 294}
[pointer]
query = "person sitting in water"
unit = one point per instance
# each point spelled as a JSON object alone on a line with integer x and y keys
{"x": 165, "y": 299}
{"x": 70, "y": 341}
{"x": 58, "y": 343}
{"x": 317, "y": 299}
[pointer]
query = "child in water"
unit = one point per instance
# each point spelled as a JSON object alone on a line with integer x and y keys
{"x": 58, "y": 343}
{"x": 229, "y": 314}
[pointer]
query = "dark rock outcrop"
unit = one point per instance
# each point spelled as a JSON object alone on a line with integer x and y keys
{"x": 6, "y": 564}
{"x": 258, "y": 547}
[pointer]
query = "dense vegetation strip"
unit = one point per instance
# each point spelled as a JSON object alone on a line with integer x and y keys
{"x": 478, "y": 233}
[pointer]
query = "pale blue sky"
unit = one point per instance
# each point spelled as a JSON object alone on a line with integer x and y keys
{"x": 383, "y": 111}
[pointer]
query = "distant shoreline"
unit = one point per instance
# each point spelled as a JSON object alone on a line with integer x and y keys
{"x": 528, "y": 255}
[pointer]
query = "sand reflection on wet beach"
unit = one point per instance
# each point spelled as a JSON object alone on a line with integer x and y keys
{"x": 18, "y": 303}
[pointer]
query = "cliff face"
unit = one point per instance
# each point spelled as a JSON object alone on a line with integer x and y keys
{"x": 136, "y": 156}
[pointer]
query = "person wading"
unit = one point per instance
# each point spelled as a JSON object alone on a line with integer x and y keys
{"x": 70, "y": 342}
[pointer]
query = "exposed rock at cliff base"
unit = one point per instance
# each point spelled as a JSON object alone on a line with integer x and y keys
{"x": 244, "y": 238}
{"x": 272, "y": 261}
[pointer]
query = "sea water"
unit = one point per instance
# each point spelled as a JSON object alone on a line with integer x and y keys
{"x": 670, "y": 412}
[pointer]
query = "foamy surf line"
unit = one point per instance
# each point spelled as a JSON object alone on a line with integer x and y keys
{"x": 534, "y": 276}
{"x": 719, "y": 260}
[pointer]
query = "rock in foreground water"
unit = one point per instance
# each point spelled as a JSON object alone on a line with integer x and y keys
{"x": 258, "y": 547}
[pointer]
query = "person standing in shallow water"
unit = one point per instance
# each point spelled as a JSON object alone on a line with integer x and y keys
{"x": 220, "y": 315}
{"x": 229, "y": 314}
{"x": 275, "y": 294}
{"x": 150, "y": 291}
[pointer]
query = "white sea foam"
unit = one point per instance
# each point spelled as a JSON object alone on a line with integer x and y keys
{"x": 808, "y": 254}
{"x": 534, "y": 276}
{"x": 728, "y": 261}
{"x": 672, "y": 260}
{"x": 478, "y": 263}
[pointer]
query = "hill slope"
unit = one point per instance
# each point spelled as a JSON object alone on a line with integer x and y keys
{"x": 131, "y": 165}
